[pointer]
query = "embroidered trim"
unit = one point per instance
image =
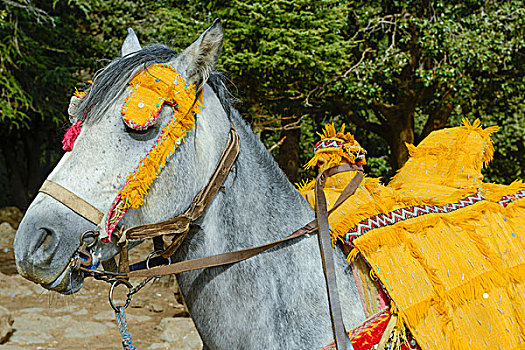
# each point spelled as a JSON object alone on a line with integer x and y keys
{"x": 185, "y": 108}
{"x": 330, "y": 143}
{"x": 403, "y": 214}
{"x": 336, "y": 147}
{"x": 369, "y": 333}
{"x": 149, "y": 90}
{"x": 506, "y": 200}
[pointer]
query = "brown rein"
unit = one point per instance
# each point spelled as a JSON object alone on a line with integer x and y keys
{"x": 178, "y": 227}
{"x": 325, "y": 244}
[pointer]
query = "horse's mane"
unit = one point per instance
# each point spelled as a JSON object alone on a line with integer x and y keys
{"x": 112, "y": 80}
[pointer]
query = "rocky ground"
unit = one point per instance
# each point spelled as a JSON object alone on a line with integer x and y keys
{"x": 34, "y": 318}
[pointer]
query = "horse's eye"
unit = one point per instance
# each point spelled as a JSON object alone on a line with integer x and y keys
{"x": 136, "y": 131}
{"x": 142, "y": 135}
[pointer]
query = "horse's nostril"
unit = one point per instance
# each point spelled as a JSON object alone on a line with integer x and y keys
{"x": 45, "y": 239}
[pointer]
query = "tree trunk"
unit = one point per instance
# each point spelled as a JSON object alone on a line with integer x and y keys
{"x": 438, "y": 118}
{"x": 32, "y": 155}
{"x": 10, "y": 148}
{"x": 288, "y": 158}
{"x": 402, "y": 132}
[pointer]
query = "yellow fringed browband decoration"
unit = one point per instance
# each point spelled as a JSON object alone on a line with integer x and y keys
{"x": 151, "y": 88}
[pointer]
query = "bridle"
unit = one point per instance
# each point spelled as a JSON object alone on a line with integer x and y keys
{"x": 178, "y": 227}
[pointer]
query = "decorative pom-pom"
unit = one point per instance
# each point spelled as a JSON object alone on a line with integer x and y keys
{"x": 71, "y": 135}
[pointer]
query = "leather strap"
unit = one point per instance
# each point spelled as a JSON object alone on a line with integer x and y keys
{"x": 72, "y": 201}
{"x": 220, "y": 259}
{"x": 340, "y": 335}
{"x": 243, "y": 254}
{"x": 179, "y": 224}
{"x": 233, "y": 257}
{"x": 352, "y": 186}
{"x": 123, "y": 264}
{"x": 325, "y": 243}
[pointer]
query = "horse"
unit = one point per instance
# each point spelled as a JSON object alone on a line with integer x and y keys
{"x": 275, "y": 300}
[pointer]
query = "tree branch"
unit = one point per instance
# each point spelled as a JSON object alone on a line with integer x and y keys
{"x": 38, "y": 13}
{"x": 344, "y": 75}
{"x": 292, "y": 126}
{"x": 389, "y": 112}
{"x": 380, "y": 129}
{"x": 277, "y": 145}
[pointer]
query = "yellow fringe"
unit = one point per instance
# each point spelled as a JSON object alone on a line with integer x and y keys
{"x": 448, "y": 157}
{"x": 329, "y": 131}
{"x": 305, "y": 185}
{"x": 172, "y": 135}
{"x": 494, "y": 192}
{"x": 79, "y": 94}
{"x": 465, "y": 222}
{"x": 354, "y": 253}
{"x": 327, "y": 158}
{"x": 485, "y": 134}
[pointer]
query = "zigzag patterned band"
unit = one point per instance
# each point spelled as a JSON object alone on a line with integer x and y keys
{"x": 329, "y": 143}
{"x": 402, "y": 214}
{"x": 506, "y": 200}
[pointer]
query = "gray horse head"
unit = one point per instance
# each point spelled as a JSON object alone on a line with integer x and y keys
{"x": 106, "y": 151}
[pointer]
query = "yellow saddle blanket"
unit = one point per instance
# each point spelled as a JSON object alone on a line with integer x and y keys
{"x": 448, "y": 249}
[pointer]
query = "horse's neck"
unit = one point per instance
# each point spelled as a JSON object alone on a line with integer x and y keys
{"x": 261, "y": 203}
{"x": 278, "y": 298}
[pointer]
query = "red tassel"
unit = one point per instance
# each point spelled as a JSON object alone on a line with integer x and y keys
{"x": 71, "y": 135}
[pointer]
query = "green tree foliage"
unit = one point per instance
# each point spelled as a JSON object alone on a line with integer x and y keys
{"x": 423, "y": 65}
{"x": 41, "y": 54}
{"x": 33, "y": 55}
{"x": 394, "y": 70}
{"x": 276, "y": 52}
{"x": 279, "y": 51}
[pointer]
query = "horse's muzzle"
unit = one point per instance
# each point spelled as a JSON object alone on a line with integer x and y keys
{"x": 46, "y": 239}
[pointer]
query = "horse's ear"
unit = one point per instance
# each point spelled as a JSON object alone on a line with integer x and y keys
{"x": 131, "y": 43}
{"x": 200, "y": 58}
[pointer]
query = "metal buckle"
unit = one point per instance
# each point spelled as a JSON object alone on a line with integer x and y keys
{"x": 156, "y": 252}
{"x": 84, "y": 257}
